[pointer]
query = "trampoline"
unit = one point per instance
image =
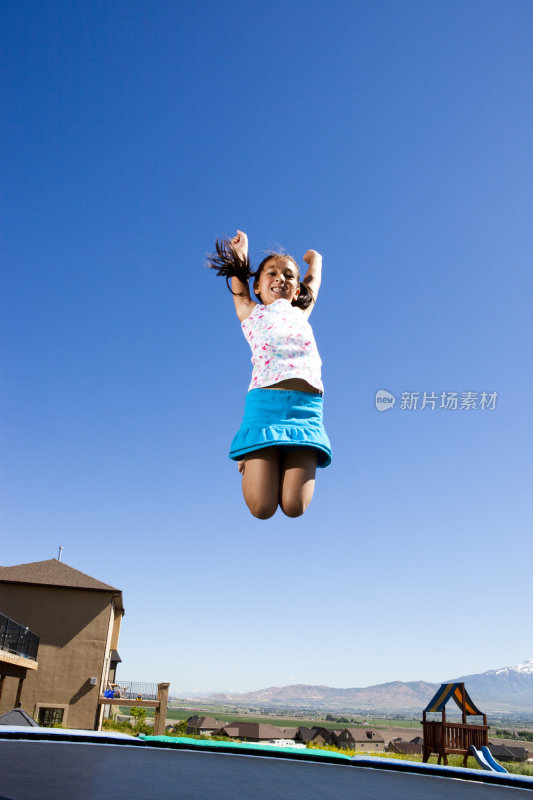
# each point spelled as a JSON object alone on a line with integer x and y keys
{"x": 82, "y": 766}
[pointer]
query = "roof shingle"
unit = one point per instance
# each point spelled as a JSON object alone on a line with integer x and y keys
{"x": 52, "y": 573}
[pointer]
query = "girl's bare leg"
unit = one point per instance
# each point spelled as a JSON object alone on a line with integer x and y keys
{"x": 261, "y": 481}
{"x": 297, "y": 480}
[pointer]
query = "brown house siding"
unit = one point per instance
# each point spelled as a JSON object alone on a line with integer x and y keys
{"x": 74, "y": 626}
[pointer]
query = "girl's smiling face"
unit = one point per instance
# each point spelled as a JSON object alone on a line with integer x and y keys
{"x": 279, "y": 279}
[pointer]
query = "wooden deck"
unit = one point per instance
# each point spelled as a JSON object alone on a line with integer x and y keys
{"x": 453, "y": 738}
{"x": 160, "y": 705}
{"x": 124, "y": 701}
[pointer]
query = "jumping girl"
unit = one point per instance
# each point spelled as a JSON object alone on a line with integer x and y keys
{"x": 282, "y": 439}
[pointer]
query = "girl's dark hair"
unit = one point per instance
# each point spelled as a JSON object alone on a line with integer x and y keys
{"x": 228, "y": 264}
{"x": 305, "y": 298}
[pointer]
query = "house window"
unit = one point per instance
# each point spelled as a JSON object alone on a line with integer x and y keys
{"x": 48, "y": 717}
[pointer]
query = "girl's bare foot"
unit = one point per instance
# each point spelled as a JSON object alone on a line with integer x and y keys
{"x": 241, "y": 466}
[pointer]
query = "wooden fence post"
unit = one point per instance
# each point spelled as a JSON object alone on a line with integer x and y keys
{"x": 161, "y": 710}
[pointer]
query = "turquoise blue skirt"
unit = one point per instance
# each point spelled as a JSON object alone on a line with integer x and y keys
{"x": 282, "y": 418}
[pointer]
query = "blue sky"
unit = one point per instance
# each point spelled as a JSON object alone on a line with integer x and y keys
{"x": 395, "y": 138}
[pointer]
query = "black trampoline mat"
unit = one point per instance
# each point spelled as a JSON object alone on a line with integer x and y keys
{"x": 50, "y": 770}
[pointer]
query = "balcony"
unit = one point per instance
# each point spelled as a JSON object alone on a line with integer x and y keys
{"x": 143, "y": 695}
{"x": 18, "y": 645}
{"x": 131, "y": 690}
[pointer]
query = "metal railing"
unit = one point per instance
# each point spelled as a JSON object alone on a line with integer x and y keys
{"x": 132, "y": 690}
{"x": 17, "y": 639}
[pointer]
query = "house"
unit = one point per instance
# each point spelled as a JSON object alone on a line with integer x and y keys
{"x": 77, "y": 618}
{"x": 18, "y": 653}
{"x": 251, "y": 731}
{"x": 503, "y": 752}
{"x": 404, "y": 748}
{"x": 362, "y": 739}
{"x": 317, "y": 735}
{"x": 289, "y": 733}
{"x": 203, "y": 726}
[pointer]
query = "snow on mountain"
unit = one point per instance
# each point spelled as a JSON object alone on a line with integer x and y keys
{"x": 522, "y": 671}
{"x": 508, "y": 689}
{"x": 504, "y": 689}
{"x": 525, "y": 668}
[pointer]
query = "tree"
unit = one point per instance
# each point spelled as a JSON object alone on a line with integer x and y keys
{"x": 139, "y": 715}
{"x": 180, "y": 728}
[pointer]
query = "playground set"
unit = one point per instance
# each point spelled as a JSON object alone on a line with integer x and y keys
{"x": 459, "y": 738}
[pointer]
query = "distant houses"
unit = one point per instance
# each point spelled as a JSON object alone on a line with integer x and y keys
{"x": 361, "y": 739}
{"x": 252, "y": 732}
{"x": 500, "y": 752}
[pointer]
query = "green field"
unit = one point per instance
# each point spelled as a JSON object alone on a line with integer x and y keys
{"x": 180, "y": 713}
{"x": 294, "y": 720}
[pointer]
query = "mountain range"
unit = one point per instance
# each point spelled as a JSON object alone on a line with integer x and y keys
{"x": 509, "y": 689}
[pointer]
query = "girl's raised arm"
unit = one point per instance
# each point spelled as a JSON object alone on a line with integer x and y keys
{"x": 244, "y": 305}
{"x": 313, "y": 276}
{"x": 231, "y": 262}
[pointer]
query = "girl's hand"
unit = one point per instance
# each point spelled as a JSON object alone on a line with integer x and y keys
{"x": 313, "y": 277}
{"x": 311, "y": 256}
{"x": 240, "y": 244}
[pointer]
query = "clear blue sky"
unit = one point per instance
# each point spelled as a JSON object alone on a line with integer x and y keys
{"x": 393, "y": 137}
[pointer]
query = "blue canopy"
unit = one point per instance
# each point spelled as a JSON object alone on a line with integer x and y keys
{"x": 456, "y": 691}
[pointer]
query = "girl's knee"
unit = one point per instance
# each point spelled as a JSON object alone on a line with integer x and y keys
{"x": 294, "y": 506}
{"x": 261, "y": 509}
{"x": 298, "y": 482}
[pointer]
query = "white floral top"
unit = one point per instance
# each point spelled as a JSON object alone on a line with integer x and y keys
{"x": 283, "y": 346}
